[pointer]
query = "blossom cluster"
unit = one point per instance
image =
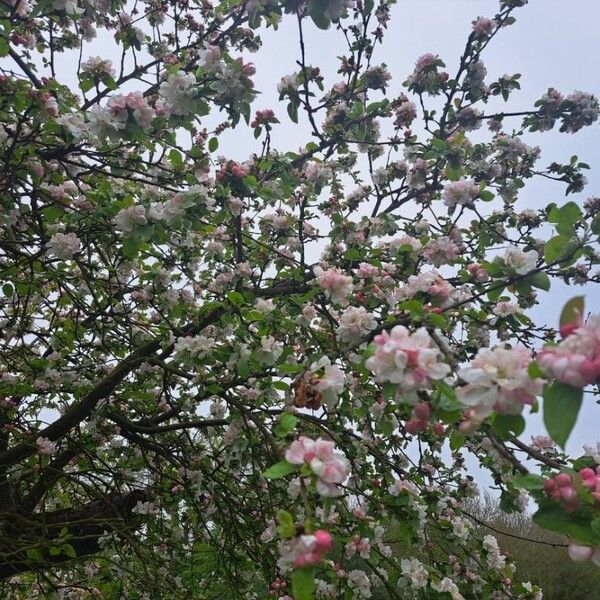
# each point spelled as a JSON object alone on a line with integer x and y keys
{"x": 329, "y": 464}
{"x": 575, "y": 360}
{"x": 563, "y": 487}
{"x": 497, "y": 379}
{"x": 411, "y": 360}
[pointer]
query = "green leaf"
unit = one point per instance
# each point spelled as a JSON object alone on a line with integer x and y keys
{"x": 213, "y": 144}
{"x": 486, "y": 196}
{"x": 320, "y": 20}
{"x": 243, "y": 368}
{"x": 561, "y": 407}
{"x": 176, "y": 159}
{"x": 565, "y": 218}
{"x": 292, "y": 110}
{"x": 8, "y": 290}
{"x": 303, "y": 584}
{"x": 534, "y": 371}
{"x": 286, "y": 528}
{"x": 287, "y": 422}
{"x": 572, "y": 311}
{"x": 453, "y": 174}
{"x": 552, "y": 516}
{"x": 529, "y": 482}
{"x": 86, "y": 85}
{"x": 352, "y": 254}
{"x": 389, "y": 390}
{"x": 457, "y": 441}
{"x": 279, "y": 470}
{"x": 414, "y": 307}
{"x": 539, "y": 280}
{"x": 235, "y": 298}
{"x": 68, "y": 550}
{"x": 596, "y": 526}
{"x": 131, "y": 247}
{"x": 495, "y": 293}
{"x": 555, "y": 248}
{"x": 109, "y": 82}
{"x": 504, "y": 425}
{"x": 289, "y": 369}
{"x": 448, "y": 400}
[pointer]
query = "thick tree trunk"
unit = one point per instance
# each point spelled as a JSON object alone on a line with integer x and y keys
{"x": 84, "y": 526}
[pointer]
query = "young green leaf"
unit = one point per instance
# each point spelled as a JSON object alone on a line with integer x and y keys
{"x": 303, "y": 583}
{"x": 561, "y": 407}
{"x": 279, "y": 470}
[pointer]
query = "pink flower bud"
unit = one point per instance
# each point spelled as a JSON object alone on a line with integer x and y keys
{"x": 562, "y": 480}
{"x": 324, "y": 541}
{"x": 568, "y": 329}
{"x": 422, "y": 411}
{"x": 438, "y": 428}
{"x": 589, "y": 370}
{"x": 415, "y": 426}
{"x": 587, "y": 473}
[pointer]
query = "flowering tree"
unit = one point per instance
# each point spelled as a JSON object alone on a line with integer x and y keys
{"x": 261, "y": 379}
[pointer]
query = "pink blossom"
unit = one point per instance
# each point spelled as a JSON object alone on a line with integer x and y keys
{"x": 478, "y": 272}
{"x": 441, "y": 251}
{"x": 497, "y": 380}
{"x": 484, "y": 27}
{"x": 335, "y": 284}
{"x": 64, "y": 246}
{"x": 329, "y": 465}
{"x": 45, "y": 446}
{"x": 462, "y": 192}
{"x": 410, "y": 360}
{"x": 355, "y": 323}
{"x": 576, "y": 359}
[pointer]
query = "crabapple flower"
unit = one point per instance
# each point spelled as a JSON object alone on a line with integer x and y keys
{"x": 497, "y": 380}
{"x": 64, "y": 246}
{"x": 461, "y": 192}
{"x": 329, "y": 465}
{"x": 45, "y": 446}
{"x": 593, "y": 453}
{"x": 520, "y": 262}
{"x": 484, "y": 27}
{"x": 306, "y": 550}
{"x": 414, "y": 570}
{"x": 448, "y": 586}
{"x": 360, "y": 583}
{"x": 542, "y": 442}
{"x": 403, "y": 485}
{"x": 178, "y": 93}
{"x": 355, "y": 323}
{"x": 335, "y": 284}
{"x": 128, "y": 218}
{"x": 409, "y": 360}
{"x": 98, "y": 66}
{"x": 576, "y": 359}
